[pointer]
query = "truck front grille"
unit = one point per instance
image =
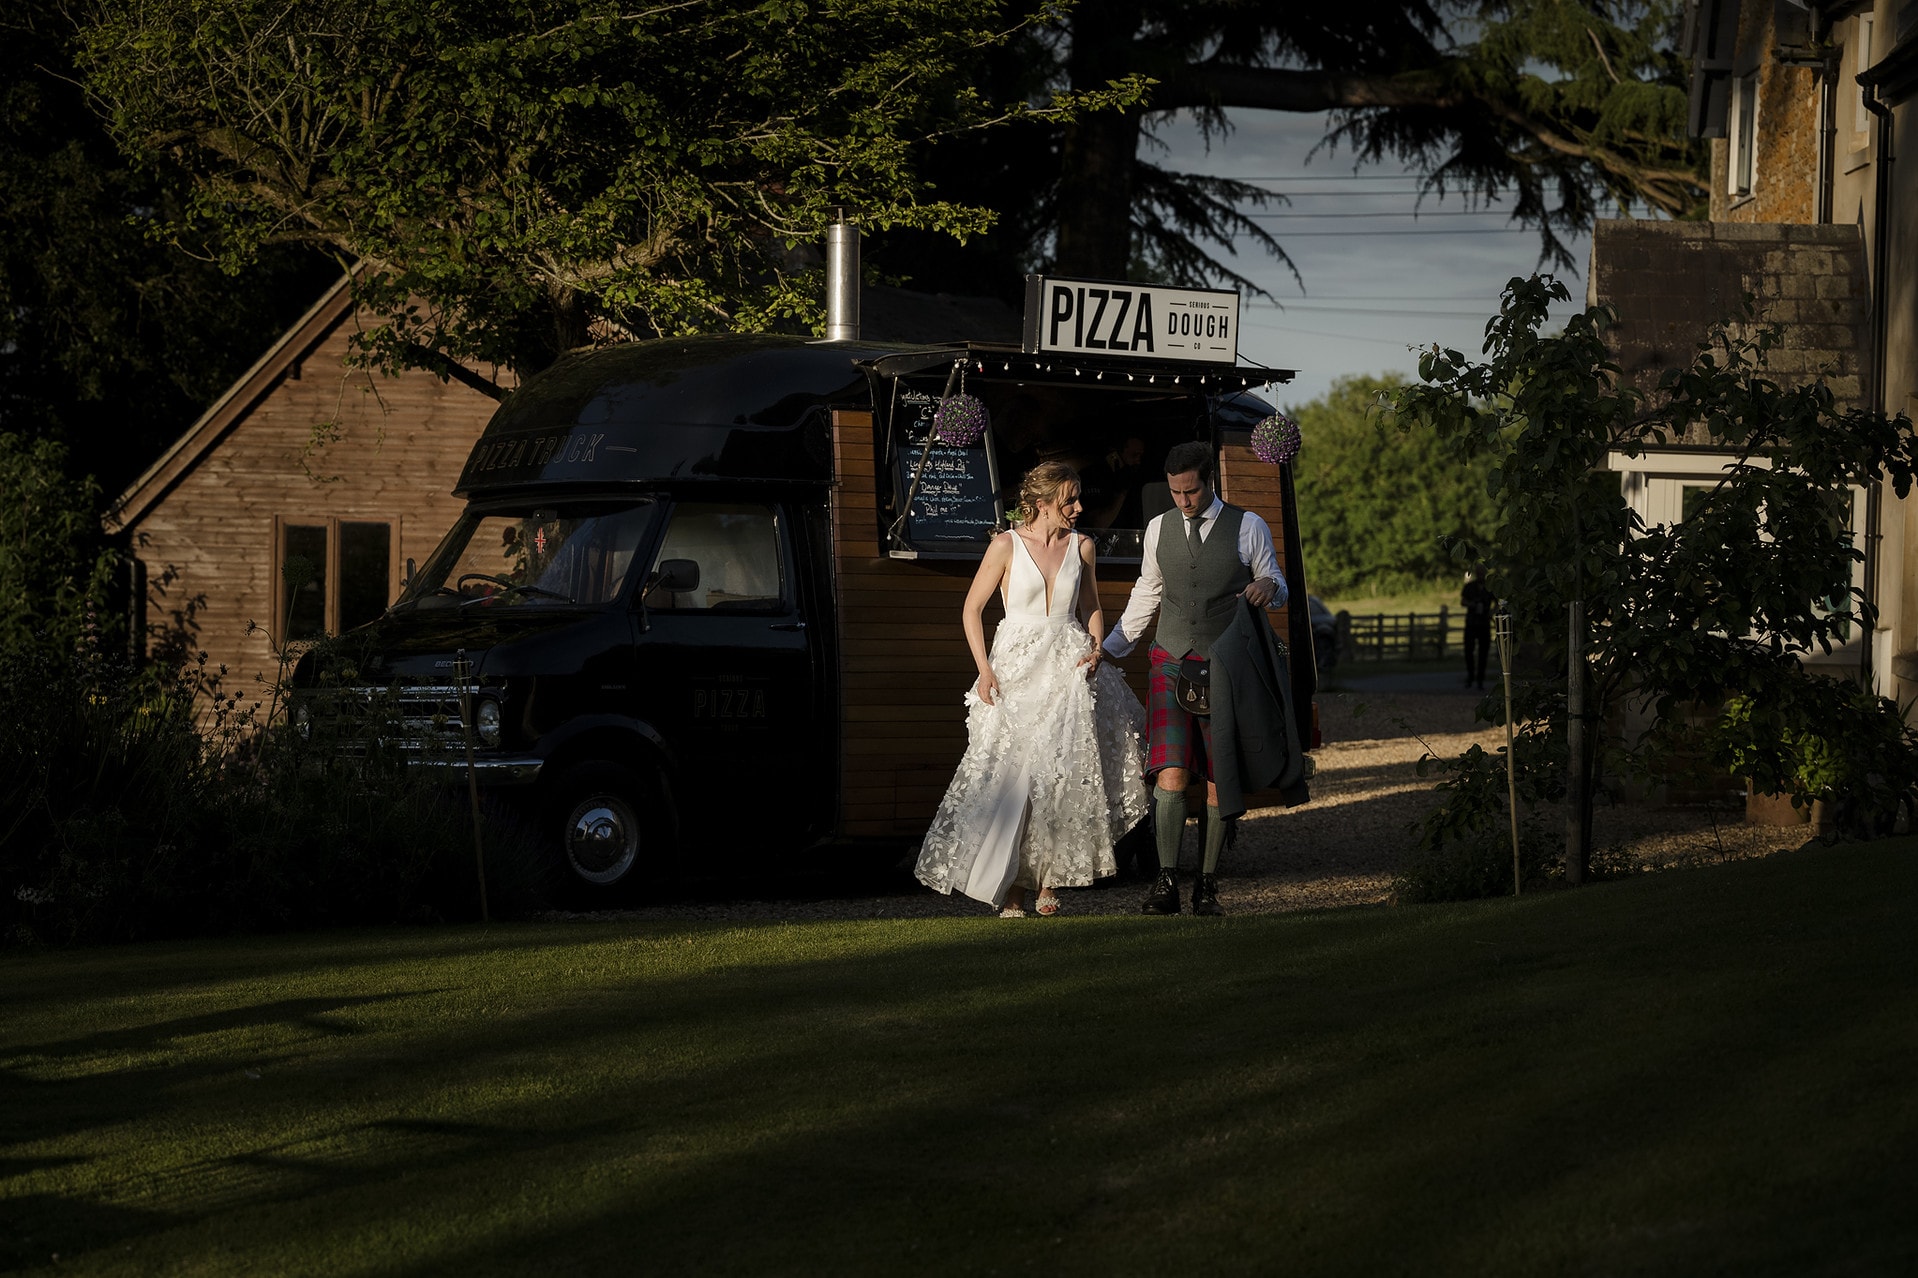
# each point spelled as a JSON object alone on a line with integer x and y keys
{"x": 419, "y": 718}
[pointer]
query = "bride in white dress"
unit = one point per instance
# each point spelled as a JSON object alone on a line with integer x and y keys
{"x": 1051, "y": 777}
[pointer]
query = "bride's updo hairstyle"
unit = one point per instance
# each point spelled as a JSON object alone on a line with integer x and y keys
{"x": 1042, "y": 483}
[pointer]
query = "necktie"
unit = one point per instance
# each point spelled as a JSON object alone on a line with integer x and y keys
{"x": 1192, "y": 533}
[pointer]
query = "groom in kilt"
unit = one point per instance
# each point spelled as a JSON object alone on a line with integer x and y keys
{"x": 1198, "y": 560}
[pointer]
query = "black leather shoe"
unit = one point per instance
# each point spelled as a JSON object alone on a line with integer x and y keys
{"x": 1205, "y": 897}
{"x": 1163, "y": 896}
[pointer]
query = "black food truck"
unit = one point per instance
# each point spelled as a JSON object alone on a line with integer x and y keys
{"x": 708, "y": 589}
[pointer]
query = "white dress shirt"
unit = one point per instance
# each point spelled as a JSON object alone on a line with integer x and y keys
{"x": 1255, "y": 552}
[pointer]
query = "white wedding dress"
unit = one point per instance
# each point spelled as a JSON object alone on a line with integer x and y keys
{"x": 1051, "y": 777}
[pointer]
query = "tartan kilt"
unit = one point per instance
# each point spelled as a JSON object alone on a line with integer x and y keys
{"x": 1177, "y": 739}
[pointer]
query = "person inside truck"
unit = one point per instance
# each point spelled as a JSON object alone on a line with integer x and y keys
{"x": 737, "y": 549}
{"x": 1051, "y": 777}
{"x": 1112, "y": 486}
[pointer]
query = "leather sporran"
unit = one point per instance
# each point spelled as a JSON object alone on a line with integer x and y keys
{"x": 1194, "y": 686}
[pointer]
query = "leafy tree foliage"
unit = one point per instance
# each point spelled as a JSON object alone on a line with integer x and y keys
{"x": 1717, "y": 606}
{"x": 1379, "y": 506}
{"x": 1554, "y": 108}
{"x": 108, "y": 337}
{"x": 54, "y": 569}
{"x": 520, "y": 178}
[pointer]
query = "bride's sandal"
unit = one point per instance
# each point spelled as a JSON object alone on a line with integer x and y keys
{"x": 1013, "y": 912}
{"x": 1048, "y": 905}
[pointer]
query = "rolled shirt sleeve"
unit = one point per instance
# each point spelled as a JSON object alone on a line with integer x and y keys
{"x": 1257, "y": 553}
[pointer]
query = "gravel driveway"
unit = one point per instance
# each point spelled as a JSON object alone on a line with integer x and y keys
{"x": 1338, "y": 850}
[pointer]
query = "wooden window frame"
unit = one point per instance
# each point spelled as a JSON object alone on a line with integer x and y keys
{"x": 395, "y": 564}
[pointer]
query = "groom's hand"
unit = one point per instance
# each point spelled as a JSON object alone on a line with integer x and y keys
{"x": 1260, "y": 592}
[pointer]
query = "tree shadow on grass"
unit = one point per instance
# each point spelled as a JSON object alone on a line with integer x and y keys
{"x": 302, "y": 1013}
{"x": 1416, "y": 1090}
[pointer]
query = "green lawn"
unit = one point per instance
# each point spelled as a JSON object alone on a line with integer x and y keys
{"x": 1705, "y": 1071}
{"x": 1430, "y": 599}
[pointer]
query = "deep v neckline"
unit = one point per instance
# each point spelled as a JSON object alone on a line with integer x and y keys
{"x": 1047, "y": 582}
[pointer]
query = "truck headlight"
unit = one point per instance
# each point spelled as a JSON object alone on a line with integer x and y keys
{"x": 486, "y": 721}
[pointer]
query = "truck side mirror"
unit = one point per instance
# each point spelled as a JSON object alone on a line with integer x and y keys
{"x": 406, "y": 582}
{"x": 677, "y": 576}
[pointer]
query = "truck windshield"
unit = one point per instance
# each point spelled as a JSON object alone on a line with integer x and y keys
{"x": 554, "y": 556}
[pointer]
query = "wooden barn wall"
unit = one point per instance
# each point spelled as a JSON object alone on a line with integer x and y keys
{"x": 325, "y": 442}
{"x": 1246, "y": 481}
{"x": 905, "y": 668}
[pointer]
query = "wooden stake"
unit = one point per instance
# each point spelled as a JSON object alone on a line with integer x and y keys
{"x": 461, "y": 669}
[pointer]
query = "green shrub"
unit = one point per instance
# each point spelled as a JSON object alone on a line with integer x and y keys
{"x": 150, "y": 803}
{"x": 1464, "y": 846}
{"x": 138, "y": 805}
{"x": 1477, "y": 864}
{"x": 1828, "y": 739}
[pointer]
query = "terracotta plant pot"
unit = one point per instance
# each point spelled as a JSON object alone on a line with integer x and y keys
{"x": 1775, "y": 809}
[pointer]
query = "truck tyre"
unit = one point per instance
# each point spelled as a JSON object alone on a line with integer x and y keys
{"x": 613, "y": 828}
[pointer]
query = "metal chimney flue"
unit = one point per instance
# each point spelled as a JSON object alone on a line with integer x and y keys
{"x": 842, "y": 279}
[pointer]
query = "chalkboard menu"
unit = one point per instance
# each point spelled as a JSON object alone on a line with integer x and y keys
{"x": 956, "y": 500}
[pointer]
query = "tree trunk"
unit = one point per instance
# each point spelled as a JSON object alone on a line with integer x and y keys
{"x": 1095, "y": 196}
{"x": 569, "y": 320}
{"x": 1095, "y": 161}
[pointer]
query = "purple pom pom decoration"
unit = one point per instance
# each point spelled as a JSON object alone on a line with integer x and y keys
{"x": 959, "y": 421}
{"x": 1275, "y": 440}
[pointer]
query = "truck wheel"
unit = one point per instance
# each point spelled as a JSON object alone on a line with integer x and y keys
{"x": 613, "y": 827}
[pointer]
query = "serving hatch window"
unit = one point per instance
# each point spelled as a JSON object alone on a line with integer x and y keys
{"x": 1115, "y": 436}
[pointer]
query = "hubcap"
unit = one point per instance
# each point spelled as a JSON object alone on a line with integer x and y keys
{"x": 602, "y": 838}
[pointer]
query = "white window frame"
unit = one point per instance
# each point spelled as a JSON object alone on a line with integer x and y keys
{"x": 1741, "y": 168}
{"x": 1860, "y": 63}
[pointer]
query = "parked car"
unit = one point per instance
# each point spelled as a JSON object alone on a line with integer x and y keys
{"x": 1325, "y": 633}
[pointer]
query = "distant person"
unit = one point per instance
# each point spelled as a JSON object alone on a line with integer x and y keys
{"x": 1477, "y": 600}
{"x": 1051, "y": 777}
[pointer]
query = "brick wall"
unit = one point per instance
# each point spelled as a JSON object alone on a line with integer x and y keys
{"x": 1785, "y": 159}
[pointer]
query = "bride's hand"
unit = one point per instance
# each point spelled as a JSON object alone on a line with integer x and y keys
{"x": 1091, "y": 660}
{"x": 988, "y": 688}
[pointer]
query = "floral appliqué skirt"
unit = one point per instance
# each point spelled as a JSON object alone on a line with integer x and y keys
{"x": 1052, "y": 775}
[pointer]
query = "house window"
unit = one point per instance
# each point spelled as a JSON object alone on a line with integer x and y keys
{"x": 1744, "y": 131}
{"x": 1861, "y": 63}
{"x": 303, "y": 593}
{"x": 365, "y": 575}
{"x": 1693, "y": 498}
{"x": 334, "y": 574}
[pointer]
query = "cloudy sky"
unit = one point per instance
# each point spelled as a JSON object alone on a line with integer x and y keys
{"x": 1376, "y": 279}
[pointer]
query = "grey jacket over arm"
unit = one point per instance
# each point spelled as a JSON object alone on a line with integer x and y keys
{"x": 1255, "y": 735}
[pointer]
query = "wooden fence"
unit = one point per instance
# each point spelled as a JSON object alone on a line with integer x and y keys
{"x": 1410, "y": 636}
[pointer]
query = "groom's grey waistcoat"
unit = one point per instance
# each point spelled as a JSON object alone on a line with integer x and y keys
{"x": 1200, "y": 590}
